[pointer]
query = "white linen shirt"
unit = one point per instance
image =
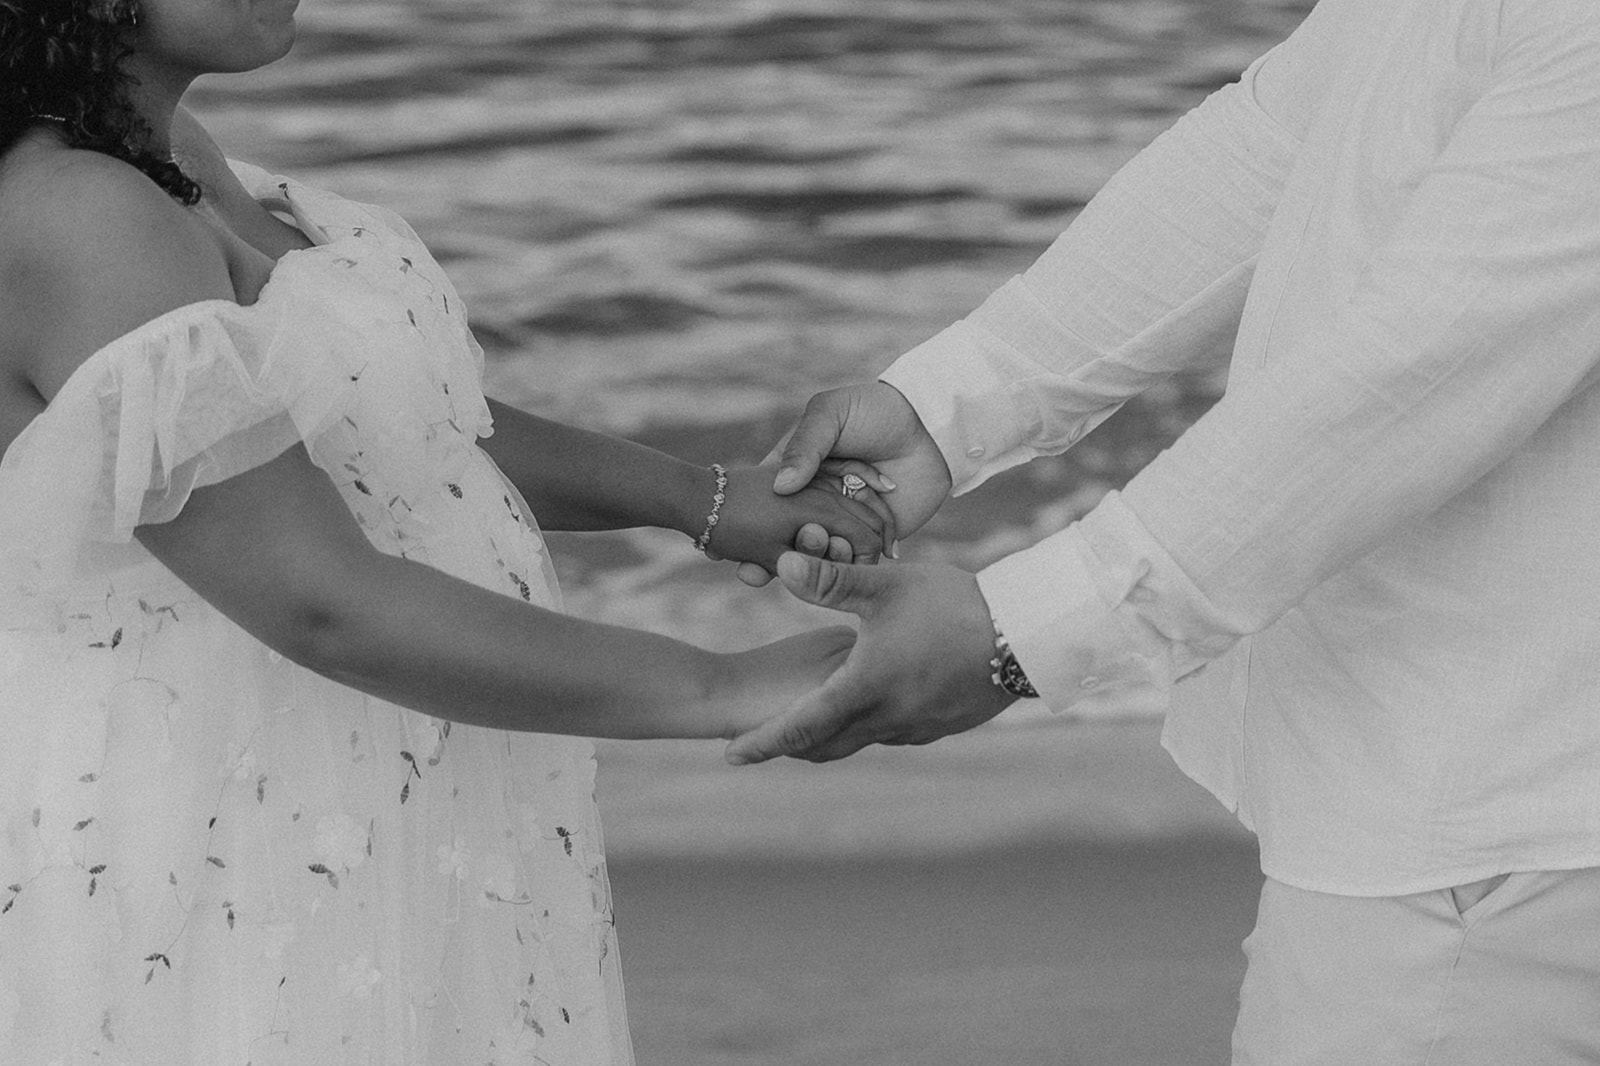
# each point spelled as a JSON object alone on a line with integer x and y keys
{"x": 1370, "y": 575}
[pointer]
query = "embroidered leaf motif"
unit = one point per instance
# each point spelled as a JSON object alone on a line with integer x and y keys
{"x": 147, "y": 609}
{"x": 218, "y": 863}
{"x": 98, "y": 869}
{"x": 318, "y": 868}
{"x": 89, "y": 779}
{"x": 81, "y": 826}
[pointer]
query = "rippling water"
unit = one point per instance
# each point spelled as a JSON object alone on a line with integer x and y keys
{"x": 675, "y": 219}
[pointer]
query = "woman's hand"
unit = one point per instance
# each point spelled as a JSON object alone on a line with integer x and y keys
{"x": 763, "y": 682}
{"x": 756, "y": 525}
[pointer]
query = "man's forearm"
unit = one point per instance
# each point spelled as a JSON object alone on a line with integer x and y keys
{"x": 1149, "y": 280}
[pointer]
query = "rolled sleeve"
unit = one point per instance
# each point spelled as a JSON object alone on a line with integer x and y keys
{"x": 1149, "y": 280}
{"x": 1470, "y": 325}
{"x": 1473, "y": 322}
{"x": 1101, "y": 608}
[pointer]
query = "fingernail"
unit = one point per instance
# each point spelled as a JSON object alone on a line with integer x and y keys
{"x": 888, "y": 486}
{"x": 736, "y": 759}
{"x": 894, "y": 549}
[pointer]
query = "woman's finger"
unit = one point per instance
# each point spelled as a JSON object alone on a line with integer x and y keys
{"x": 811, "y": 538}
{"x": 883, "y": 517}
{"x": 865, "y": 471}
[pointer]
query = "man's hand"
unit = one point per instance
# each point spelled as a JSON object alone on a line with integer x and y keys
{"x": 875, "y": 424}
{"x": 919, "y": 670}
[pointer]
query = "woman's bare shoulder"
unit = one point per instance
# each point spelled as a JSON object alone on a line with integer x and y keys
{"x": 90, "y": 249}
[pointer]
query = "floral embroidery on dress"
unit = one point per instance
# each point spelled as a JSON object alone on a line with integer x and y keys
{"x": 178, "y": 802}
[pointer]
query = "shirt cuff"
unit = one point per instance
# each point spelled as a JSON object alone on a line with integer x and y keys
{"x": 1100, "y": 608}
{"x": 975, "y": 386}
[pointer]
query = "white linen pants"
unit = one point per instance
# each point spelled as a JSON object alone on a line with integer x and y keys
{"x": 1512, "y": 979}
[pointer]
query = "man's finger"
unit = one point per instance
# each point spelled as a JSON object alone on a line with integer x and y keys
{"x": 812, "y": 721}
{"x": 865, "y": 471}
{"x": 841, "y": 745}
{"x": 813, "y": 438}
{"x": 843, "y": 587}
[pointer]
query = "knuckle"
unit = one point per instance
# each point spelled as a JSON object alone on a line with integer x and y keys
{"x": 797, "y": 738}
{"x": 828, "y": 582}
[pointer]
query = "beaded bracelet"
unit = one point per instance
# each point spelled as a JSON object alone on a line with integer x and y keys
{"x": 716, "y": 507}
{"x": 1005, "y": 671}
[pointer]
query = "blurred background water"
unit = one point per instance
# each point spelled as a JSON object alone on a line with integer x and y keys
{"x": 675, "y": 220}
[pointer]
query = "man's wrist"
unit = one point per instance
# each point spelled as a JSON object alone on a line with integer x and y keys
{"x": 1005, "y": 672}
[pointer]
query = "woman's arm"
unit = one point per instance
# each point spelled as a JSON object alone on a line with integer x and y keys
{"x": 276, "y": 550}
{"x": 576, "y": 479}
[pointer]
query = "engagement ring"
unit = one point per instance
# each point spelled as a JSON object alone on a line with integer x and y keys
{"x": 852, "y": 484}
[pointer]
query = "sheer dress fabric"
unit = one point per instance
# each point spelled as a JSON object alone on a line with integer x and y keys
{"x": 209, "y": 855}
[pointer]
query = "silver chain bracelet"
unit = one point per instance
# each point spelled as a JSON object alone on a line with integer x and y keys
{"x": 717, "y": 500}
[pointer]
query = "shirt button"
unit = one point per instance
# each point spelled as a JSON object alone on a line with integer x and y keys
{"x": 974, "y": 453}
{"x": 1089, "y": 682}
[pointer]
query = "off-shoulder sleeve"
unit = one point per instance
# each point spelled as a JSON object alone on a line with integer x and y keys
{"x": 196, "y": 396}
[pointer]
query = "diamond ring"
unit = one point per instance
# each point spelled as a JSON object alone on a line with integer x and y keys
{"x": 851, "y": 484}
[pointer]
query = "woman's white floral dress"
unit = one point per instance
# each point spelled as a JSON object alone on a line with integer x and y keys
{"x": 208, "y": 855}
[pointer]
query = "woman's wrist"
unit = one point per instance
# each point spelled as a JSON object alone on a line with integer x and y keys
{"x": 719, "y": 496}
{"x": 686, "y": 492}
{"x": 728, "y": 684}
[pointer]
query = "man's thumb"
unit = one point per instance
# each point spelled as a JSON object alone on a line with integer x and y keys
{"x": 841, "y": 586}
{"x": 811, "y": 442}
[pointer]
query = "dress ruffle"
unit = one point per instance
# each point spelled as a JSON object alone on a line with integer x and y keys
{"x": 213, "y": 389}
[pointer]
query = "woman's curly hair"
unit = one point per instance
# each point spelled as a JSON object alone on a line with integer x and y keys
{"x": 61, "y": 60}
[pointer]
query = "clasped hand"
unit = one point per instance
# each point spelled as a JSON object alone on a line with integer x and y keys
{"x": 756, "y": 525}
{"x": 919, "y": 668}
